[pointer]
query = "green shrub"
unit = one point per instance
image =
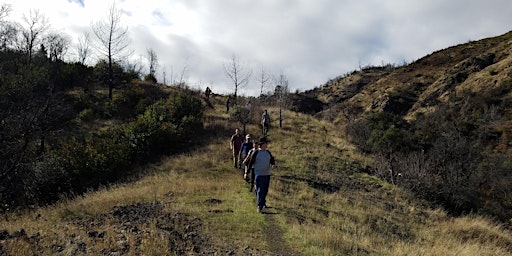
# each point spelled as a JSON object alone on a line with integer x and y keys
{"x": 183, "y": 105}
{"x": 86, "y": 114}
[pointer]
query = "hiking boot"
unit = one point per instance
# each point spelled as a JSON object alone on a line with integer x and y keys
{"x": 259, "y": 209}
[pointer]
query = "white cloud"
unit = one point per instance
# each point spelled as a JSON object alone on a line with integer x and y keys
{"x": 309, "y": 41}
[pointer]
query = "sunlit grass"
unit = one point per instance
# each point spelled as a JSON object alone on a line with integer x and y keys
{"x": 364, "y": 216}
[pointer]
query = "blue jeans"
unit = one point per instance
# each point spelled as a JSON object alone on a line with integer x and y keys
{"x": 262, "y": 184}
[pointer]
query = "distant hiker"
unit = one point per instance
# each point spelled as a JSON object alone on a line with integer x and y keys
{"x": 207, "y": 92}
{"x": 228, "y": 101}
{"x": 235, "y": 145}
{"x": 248, "y": 105}
{"x": 265, "y": 122}
{"x": 262, "y": 161}
{"x": 244, "y": 150}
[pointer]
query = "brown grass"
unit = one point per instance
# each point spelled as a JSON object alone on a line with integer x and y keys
{"x": 366, "y": 217}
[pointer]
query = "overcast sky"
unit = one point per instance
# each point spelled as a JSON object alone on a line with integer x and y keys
{"x": 309, "y": 41}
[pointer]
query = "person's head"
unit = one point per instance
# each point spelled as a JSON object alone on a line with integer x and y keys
{"x": 237, "y": 131}
{"x": 248, "y": 137}
{"x": 263, "y": 142}
{"x": 265, "y": 111}
{"x": 255, "y": 144}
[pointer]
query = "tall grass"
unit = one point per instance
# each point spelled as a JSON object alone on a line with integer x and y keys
{"x": 358, "y": 215}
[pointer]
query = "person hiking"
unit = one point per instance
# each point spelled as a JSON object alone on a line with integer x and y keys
{"x": 207, "y": 92}
{"x": 265, "y": 122}
{"x": 244, "y": 149}
{"x": 262, "y": 161}
{"x": 228, "y": 102}
{"x": 249, "y": 172}
{"x": 235, "y": 145}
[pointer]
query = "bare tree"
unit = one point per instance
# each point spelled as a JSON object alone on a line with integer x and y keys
{"x": 5, "y": 9}
{"x": 8, "y": 30}
{"x": 36, "y": 25}
{"x": 83, "y": 47}
{"x": 57, "y": 44}
{"x": 153, "y": 61}
{"x": 238, "y": 74}
{"x": 281, "y": 93}
{"x": 113, "y": 41}
{"x": 263, "y": 79}
{"x": 179, "y": 80}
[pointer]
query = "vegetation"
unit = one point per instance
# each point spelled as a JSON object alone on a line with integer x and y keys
{"x": 322, "y": 203}
{"x": 56, "y": 131}
{"x": 438, "y": 127}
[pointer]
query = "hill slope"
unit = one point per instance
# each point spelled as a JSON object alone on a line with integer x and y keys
{"x": 322, "y": 203}
{"x": 477, "y": 67}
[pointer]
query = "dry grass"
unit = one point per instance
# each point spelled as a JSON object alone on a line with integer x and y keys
{"x": 366, "y": 217}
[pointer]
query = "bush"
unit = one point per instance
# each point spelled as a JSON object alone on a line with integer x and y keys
{"x": 150, "y": 78}
{"x": 86, "y": 114}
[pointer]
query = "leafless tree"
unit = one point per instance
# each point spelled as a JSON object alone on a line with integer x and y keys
{"x": 179, "y": 80}
{"x": 8, "y": 30}
{"x": 153, "y": 61}
{"x": 263, "y": 80}
{"x": 281, "y": 93}
{"x": 36, "y": 24}
{"x": 5, "y": 9}
{"x": 238, "y": 73}
{"x": 83, "y": 48}
{"x": 113, "y": 41}
{"x": 57, "y": 44}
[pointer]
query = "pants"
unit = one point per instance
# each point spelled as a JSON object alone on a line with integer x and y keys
{"x": 264, "y": 128}
{"x": 236, "y": 158}
{"x": 262, "y": 185}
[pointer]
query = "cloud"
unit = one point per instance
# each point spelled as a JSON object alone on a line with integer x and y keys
{"x": 308, "y": 41}
{"x": 79, "y": 2}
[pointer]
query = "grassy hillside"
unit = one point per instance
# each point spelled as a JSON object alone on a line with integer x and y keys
{"x": 443, "y": 122}
{"x": 322, "y": 203}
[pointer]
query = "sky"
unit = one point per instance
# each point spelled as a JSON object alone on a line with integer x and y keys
{"x": 307, "y": 41}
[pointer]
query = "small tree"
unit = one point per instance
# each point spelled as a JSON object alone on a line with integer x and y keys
{"x": 113, "y": 41}
{"x": 242, "y": 115}
{"x": 83, "y": 48}
{"x": 36, "y": 25}
{"x": 238, "y": 74}
{"x": 153, "y": 64}
{"x": 263, "y": 80}
{"x": 281, "y": 94}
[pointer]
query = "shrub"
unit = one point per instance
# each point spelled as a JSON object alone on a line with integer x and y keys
{"x": 86, "y": 114}
{"x": 150, "y": 78}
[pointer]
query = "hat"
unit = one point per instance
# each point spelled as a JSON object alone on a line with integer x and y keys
{"x": 263, "y": 140}
{"x": 248, "y": 136}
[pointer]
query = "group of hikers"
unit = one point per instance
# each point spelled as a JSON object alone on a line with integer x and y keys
{"x": 253, "y": 157}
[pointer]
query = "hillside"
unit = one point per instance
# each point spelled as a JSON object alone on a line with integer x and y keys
{"x": 322, "y": 203}
{"x": 477, "y": 73}
{"x": 450, "y": 75}
{"x": 443, "y": 123}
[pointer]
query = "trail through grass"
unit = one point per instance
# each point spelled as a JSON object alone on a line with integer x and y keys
{"x": 197, "y": 203}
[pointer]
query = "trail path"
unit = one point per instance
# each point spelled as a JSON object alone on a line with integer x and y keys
{"x": 275, "y": 235}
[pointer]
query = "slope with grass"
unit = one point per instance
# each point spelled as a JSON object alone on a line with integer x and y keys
{"x": 322, "y": 203}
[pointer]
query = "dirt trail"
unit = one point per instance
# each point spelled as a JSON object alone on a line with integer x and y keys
{"x": 275, "y": 237}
